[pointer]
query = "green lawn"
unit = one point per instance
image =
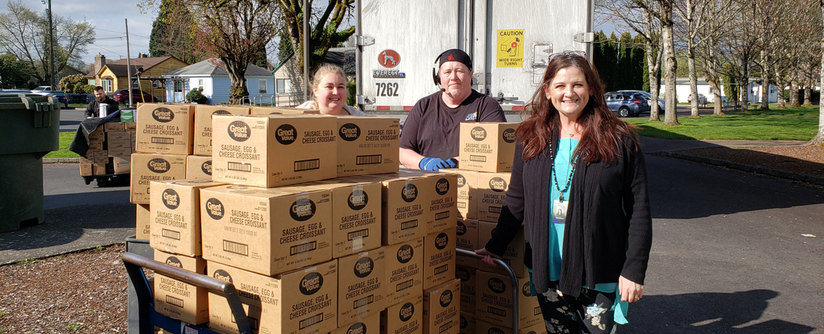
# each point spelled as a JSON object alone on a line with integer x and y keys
{"x": 777, "y": 124}
{"x": 63, "y": 152}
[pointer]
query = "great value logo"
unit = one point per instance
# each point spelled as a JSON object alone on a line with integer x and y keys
{"x": 363, "y": 267}
{"x": 405, "y": 253}
{"x": 214, "y": 208}
{"x": 163, "y": 115}
{"x": 170, "y": 199}
{"x": 406, "y": 312}
{"x": 222, "y": 275}
{"x": 239, "y": 131}
{"x": 461, "y": 181}
{"x": 525, "y": 290}
{"x": 508, "y": 135}
{"x": 494, "y": 330}
{"x": 311, "y": 283}
{"x": 357, "y": 200}
{"x": 496, "y": 285}
{"x": 206, "y": 167}
{"x": 497, "y": 184}
{"x": 158, "y": 165}
{"x": 174, "y": 262}
{"x": 441, "y": 241}
{"x": 302, "y": 210}
{"x": 462, "y": 274}
{"x": 478, "y": 133}
{"x": 220, "y": 112}
{"x": 357, "y": 328}
{"x": 409, "y": 193}
{"x": 442, "y": 186}
{"x": 286, "y": 134}
{"x": 461, "y": 230}
{"x": 446, "y": 298}
{"x": 349, "y": 132}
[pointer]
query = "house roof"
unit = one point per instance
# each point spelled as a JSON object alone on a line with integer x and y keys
{"x": 343, "y": 57}
{"x": 214, "y": 67}
{"x": 120, "y": 67}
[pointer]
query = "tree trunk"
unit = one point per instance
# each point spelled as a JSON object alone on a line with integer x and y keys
{"x": 237, "y": 76}
{"x": 779, "y": 83}
{"x": 670, "y": 117}
{"x": 819, "y": 137}
{"x": 653, "y": 65}
{"x": 744, "y": 83}
{"x": 794, "y": 89}
{"x": 808, "y": 92}
{"x": 765, "y": 81}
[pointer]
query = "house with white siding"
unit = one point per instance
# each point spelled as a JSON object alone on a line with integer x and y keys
{"x": 682, "y": 91}
{"x": 211, "y": 75}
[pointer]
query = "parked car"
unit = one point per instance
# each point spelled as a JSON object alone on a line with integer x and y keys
{"x": 122, "y": 96}
{"x": 661, "y": 102}
{"x": 702, "y": 100}
{"x": 627, "y": 104}
{"x": 62, "y": 98}
{"x": 42, "y": 89}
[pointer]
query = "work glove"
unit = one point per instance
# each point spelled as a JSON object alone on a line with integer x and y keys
{"x": 434, "y": 164}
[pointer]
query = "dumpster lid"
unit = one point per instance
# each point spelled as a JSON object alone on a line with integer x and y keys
{"x": 26, "y": 101}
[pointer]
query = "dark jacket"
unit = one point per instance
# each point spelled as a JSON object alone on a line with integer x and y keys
{"x": 93, "y": 109}
{"x": 608, "y": 232}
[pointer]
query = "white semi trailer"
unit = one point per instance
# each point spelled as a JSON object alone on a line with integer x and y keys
{"x": 509, "y": 41}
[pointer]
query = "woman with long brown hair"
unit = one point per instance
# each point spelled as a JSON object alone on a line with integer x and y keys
{"x": 579, "y": 186}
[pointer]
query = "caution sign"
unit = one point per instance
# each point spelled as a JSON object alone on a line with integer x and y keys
{"x": 510, "y": 48}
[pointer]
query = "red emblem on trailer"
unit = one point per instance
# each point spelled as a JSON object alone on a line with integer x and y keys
{"x": 389, "y": 58}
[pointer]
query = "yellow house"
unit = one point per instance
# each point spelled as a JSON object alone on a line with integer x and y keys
{"x": 147, "y": 75}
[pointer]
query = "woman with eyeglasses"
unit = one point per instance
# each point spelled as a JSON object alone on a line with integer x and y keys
{"x": 579, "y": 186}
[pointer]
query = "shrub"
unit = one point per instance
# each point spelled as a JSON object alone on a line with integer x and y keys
{"x": 196, "y": 96}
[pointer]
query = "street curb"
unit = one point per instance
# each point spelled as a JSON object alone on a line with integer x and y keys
{"x": 61, "y": 160}
{"x": 748, "y": 168}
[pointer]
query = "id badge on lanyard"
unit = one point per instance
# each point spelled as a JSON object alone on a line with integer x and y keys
{"x": 559, "y": 211}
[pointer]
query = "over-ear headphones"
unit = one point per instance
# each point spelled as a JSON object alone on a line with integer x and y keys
{"x": 435, "y": 67}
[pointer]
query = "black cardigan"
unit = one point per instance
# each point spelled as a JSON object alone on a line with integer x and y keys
{"x": 608, "y": 229}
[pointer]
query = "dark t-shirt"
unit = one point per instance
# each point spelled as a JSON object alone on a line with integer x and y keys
{"x": 93, "y": 108}
{"x": 433, "y": 129}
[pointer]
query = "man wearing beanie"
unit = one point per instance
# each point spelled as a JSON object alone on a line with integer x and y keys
{"x": 431, "y": 133}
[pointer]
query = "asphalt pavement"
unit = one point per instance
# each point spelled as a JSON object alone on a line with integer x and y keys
{"x": 733, "y": 252}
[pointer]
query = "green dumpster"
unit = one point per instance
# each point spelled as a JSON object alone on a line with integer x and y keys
{"x": 29, "y": 129}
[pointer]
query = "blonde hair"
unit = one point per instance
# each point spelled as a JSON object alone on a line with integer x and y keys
{"x": 323, "y": 70}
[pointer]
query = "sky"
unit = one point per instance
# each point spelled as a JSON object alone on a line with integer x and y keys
{"x": 108, "y": 17}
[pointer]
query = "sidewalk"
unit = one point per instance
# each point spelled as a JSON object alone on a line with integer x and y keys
{"x": 83, "y": 227}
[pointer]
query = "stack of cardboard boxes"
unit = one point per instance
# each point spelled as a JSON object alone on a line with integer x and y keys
{"x": 486, "y": 151}
{"x": 310, "y": 219}
{"x": 110, "y": 148}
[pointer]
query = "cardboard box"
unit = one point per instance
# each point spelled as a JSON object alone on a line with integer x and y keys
{"x": 356, "y": 214}
{"x": 130, "y": 126}
{"x": 198, "y": 167}
{"x": 266, "y": 230}
{"x": 439, "y": 258}
{"x": 94, "y": 146}
{"x": 99, "y": 169}
{"x": 127, "y": 116}
{"x": 466, "y": 237}
{"x": 487, "y": 146}
{"x": 405, "y": 207}
{"x": 405, "y": 317}
{"x": 282, "y": 111}
{"x": 367, "y": 145}
{"x": 442, "y": 199}
{"x": 362, "y": 286}
{"x": 153, "y": 167}
{"x": 494, "y": 301}
{"x": 164, "y": 128}
{"x": 175, "y": 217}
{"x": 98, "y": 134}
{"x": 369, "y": 325}
{"x": 404, "y": 270}
{"x": 86, "y": 169}
{"x": 467, "y": 277}
{"x": 300, "y": 301}
{"x": 176, "y": 299}
{"x": 490, "y": 194}
{"x": 514, "y": 254}
{"x": 143, "y": 216}
{"x": 122, "y": 165}
{"x": 467, "y": 321}
{"x": 485, "y": 327}
{"x": 270, "y": 151}
{"x": 113, "y": 127}
{"x": 203, "y": 125}
{"x": 441, "y": 308}
{"x": 466, "y": 181}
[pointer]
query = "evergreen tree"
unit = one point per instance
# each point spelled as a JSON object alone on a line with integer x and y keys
{"x": 173, "y": 35}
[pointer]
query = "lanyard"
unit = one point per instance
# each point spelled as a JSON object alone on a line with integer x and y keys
{"x": 555, "y": 175}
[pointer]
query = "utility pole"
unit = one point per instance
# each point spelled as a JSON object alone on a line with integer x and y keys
{"x": 306, "y": 33}
{"x": 53, "y": 81}
{"x": 128, "y": 65}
